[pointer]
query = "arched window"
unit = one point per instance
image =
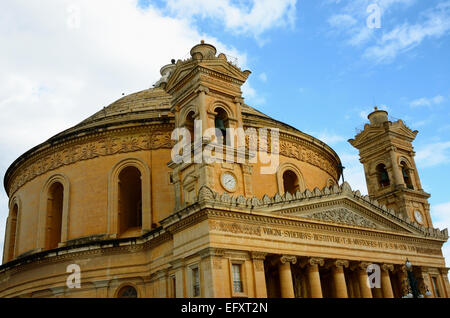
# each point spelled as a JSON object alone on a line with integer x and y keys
{"x": 55, "y": 199}
{"x": 12, "y": 233}
{"x": 406, "y": 175}
{"x": 383, "y": 177}
{"x": 130, "y": 199}
{"x": 127, "y": 292}
{"x": 290, "y": 182}
{"x": 221, "y": 124}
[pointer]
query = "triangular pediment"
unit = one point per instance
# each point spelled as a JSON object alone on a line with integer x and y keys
{"x": 337, "y": 205}
{"x": 218, "y": 65}
{"x": 400, "y": 128}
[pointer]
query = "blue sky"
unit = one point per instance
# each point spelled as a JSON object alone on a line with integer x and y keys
{"x": 315, "y": 65}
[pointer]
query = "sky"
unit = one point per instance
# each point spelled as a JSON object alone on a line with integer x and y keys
{"x": 320, "y": 66}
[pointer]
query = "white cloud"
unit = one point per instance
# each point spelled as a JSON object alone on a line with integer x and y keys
{"x": 342, "y": 21}
{"x": 57, "y": 69}
{"x": 252, "y": 96}
{"x": 440, "y": 215}
{"x": 352, "y": 19}
{"x": 406, "y": 36}
{"x": 433, "y": 154}
{"x": 329, "y": 138}
{"x": 252, "y": 18}
{"x": 354, "y": 170}
{"x": 365, "y": 112}
{"x": 427, "y": 101}
{"x": 263, "y": 77}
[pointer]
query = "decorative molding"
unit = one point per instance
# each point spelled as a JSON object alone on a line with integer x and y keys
{"x": 85, "y": 148}
{"x": 290, "y": 204}
{"x": 343, "y": 216}
{"x": 288, "y": 259}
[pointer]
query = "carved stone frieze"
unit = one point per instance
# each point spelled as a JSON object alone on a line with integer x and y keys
{"x": 343, "y": 216}
{"x": 85, "y": 149}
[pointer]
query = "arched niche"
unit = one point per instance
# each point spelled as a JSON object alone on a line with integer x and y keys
{"x": 12, "y": 230}
{"x": 113, "y": 221}
{"x": 54, "y": 198}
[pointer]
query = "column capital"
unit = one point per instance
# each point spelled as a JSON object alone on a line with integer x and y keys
{"x": 177, "y": 263}
{"x": 202, "y": 89}
{"x": 360, "y": 265}
{"x": 238, "y": 99}
{"x": 211, "y": 251}
{"x": 258, "y": 255}
{"x": 288, "y": 259}
{"x": 339, "y": 263}
{"x": 387, "y": 267}
{"x": 443, "y": 270}
{"x": 401, "y": 268}
{"x": 311, "y": 261}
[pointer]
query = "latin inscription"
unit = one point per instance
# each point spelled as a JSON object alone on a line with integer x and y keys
{"x": 259, "y": 231}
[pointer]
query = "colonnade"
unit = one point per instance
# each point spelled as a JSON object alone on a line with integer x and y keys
{"x": 340, "y": 278}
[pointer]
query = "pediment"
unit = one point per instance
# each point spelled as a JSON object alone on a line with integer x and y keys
{"x": 345, "y": 211}
{"x": 401, "y": 129}
{"x": 367, "y": 134}
{"x": 218, "y": 65}
{"x": 224, "y": 67}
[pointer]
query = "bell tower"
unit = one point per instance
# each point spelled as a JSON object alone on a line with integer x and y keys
{"x": 386, "y": 151}
{"x": 207, "y": 97}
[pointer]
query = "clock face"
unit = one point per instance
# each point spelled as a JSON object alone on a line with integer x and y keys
{"x": 228, "y": 181}
{"x": 418, "y": 216}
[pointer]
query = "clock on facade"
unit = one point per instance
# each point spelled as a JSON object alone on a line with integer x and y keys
{"x": 418, "y": 216}
{"x": 228, "y": 181}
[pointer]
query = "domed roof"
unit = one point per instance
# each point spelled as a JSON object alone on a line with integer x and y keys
{"x": 153, "y": 104}
{"x": 145, "y": 104}
{"x": 148, "y": 103}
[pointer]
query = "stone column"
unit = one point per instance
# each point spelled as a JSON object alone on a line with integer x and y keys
{"x": 202, "y": 91}
{"x": 312, "y": 270}
{"x": 398, "y": 178}
{"x": 428, "y": 285}
{"x": 403, "y": 280}
{"x": 284, "y": 270}
{"x": 445, "y": 284}
{"x": 211, "y": 275}
{"x": 247, "y": 171}
{"x": 339, "y": 278}
{"x": 259, "y": 276}
{"x": 179, "y": 267}
{"x": 412, "y": 154}
{"x": 386, "y": 285}
{"x": 101, "y": 288}
{"x": 363, "y": 279}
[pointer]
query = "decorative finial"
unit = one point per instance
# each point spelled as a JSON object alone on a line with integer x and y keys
{"x": 202, "y": 42}
{"x": 376, "y": 108}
